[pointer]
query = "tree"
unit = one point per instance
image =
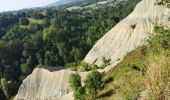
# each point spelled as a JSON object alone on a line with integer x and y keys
{"x": 75, "y": 83}
{"x": 25, "y": 68}
{"x": 5, "y": 87}
{"x": 77, "y": 54}
{"x": 35, "y": 27}
{"x": 93, "y": 83}
{"x": 24, "y": 21}
{"x": 46, "y": 23}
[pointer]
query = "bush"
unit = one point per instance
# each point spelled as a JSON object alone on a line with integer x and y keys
{"x": 159, "y": 40}
{"x": 94, "y": 66}
{"x": 72, "y": 66}
{"x": 93, "y": 83}
{"x": 86, "y": 66}
{"x": 163, "y": 2}
{"x": 158, "y": 71}
{"x": 75, "y": 83}
{"x": 105, "y": 63}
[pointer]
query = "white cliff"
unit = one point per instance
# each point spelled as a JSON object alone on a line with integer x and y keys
{"x": 128, "y": 34}
{"x": 44, "y": 85}
{"x": 123, "y": 38}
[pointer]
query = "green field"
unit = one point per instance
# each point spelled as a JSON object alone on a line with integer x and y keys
{"x": 74, "y": 7}
{"x": 37, "y": 21}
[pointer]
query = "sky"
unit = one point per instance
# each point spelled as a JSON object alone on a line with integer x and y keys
{"x": 9, "y": 5}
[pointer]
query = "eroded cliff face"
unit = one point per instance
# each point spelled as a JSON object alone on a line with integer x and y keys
{"x": 128, "y": 34}
{"x": 131, "y": 32}
{"x": 47, "y": 84}
{"x": 43, "y": 84}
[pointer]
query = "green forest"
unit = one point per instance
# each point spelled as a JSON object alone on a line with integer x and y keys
{"x": 50, "y": 37}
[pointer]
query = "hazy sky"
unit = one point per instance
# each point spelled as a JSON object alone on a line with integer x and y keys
{"x": 9, "y": 5}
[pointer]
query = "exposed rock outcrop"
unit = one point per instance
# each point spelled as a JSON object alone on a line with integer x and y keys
{"x": 43, "y": 84}
{"x": 128, "y": 34}
{"x": 123, "y": 38}
{"x": 47, "y": 84}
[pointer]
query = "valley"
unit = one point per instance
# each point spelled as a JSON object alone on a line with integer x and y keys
{"x": 86, "y": 50}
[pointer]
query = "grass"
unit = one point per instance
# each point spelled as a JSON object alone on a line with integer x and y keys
{"x": 158, "y": 78}
{"x": 74, "y": 7}
{"x": 147, "y": 68}
{"x": 22, "y": 26}
{"x": 91, "y": 5}
{"x": 32, "y": 20}
{"x": 37, "y": 21}
{"x": 127, "y": 83}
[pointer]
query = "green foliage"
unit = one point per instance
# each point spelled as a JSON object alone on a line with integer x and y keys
{"x": 93, "y": 83}
{"x": 50, "y": 37}
{"x": 124, "y": 82}
{"x": 159, "y": 40}
{"x": 163, "y": 2}
{"x": 46, "y": 23}
{"x": 75, "y": 83}
{"x": 24, "y": 21}
{"x": 72, "y": 66}
{"x": 105, "y": 63}
{"x": 35, "y": 21}
{"x": 157, "y": 76}
{"x": 5, "y": 87}
{"x": 153, "y": 58}
{"x": 25, "y": 69}
{"x": 85, "y": 66}
{"x": 94, "y": 66}
{"x": 35, "y": 27}
{"x": 158, "y": 69}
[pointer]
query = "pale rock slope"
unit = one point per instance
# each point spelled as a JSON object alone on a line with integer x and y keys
{"x": 45, "y": 85}
{"x": 131, "y": 32}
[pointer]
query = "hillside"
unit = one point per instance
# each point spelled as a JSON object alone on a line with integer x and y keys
{"x": 38, "y": 38}
{"x": 141, "y": 75}
{"x": 61, "y": 2}
{"x": 130, "y": 33}
{"x": 124, "y": 82}
{"x": 84, "y": 4}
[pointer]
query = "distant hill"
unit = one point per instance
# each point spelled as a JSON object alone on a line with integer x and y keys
{"x": 62, "y": 2}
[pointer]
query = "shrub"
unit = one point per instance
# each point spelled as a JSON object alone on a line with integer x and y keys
{"x": 93, "y": 83}
{"x": 85, "y": 66}
{"x": 94, "y": 66}
{"x": 163, "y": 2}
{"x": 105, "y": 63}
{"x": 159, "y": 40}
{"x": 72, "y": 66}
{"x": 75, "y": 83}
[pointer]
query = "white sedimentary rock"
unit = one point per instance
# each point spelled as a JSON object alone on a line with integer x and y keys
{"x": 45, "y": 85}
{"x": 128, "y": 34}
{"x": 123, "y": 38}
